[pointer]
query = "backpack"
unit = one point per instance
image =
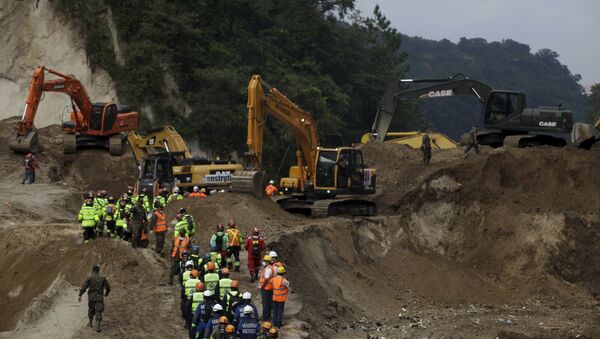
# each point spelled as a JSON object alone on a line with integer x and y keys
{"x": 109, "y": 210}
{"x": 219, "y": 241}
{"x": 255, "y": 247}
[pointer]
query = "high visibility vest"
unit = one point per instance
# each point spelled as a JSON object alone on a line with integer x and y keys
{"x": 224, "y": 287}
{"x": 211, "y": 280}
{"x": 197, "y": 298}
{"x": 232, "y": 296}
{"x": 234, "y": 236}
{"x": 261, "y": 280}
{"x": 88, "y": 216}
{"x": 180, "y": 246}
{"x": 216, "y": 266}
{"x": 271, "y": 190}
{"x": 109, "y": 217}
{"x": 191, "y": 227}
{"x": 175, "y": 196}
{"x": 185, "y": 277}
{"x": 160, "y": 199}
{"x": 190, "y": 286}
{"x": 161, "y": 222}
{"x": 280, "y": 291}
{"x": 181, "y": 225}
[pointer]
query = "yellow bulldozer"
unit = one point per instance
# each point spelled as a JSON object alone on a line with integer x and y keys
{"x": 164, "y": 160}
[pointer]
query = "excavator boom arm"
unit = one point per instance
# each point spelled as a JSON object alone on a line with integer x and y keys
{"x": 164, "y": 139}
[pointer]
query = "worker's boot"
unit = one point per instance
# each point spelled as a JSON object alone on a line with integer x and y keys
{"x": 90, "y": 323}
{"x": 98, "y": 325}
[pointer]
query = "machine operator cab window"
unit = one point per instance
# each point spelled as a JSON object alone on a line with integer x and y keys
{"x": 501, "y": 105}
{"x": 156, "y": 169}
{"x": 350, "y": 169}
{"x": 326, "y": 169}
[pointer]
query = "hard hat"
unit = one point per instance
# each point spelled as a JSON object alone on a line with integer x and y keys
{"x": 247, "y": 296}
{"x": 223, "y": 320}
{"x": 267, "y": 258}
{"x": 208, "y": 293}
{"x": 229, "y": 329}
{"x": 266, "y": 325}
{"x": 195, "y": 249}
{"x": 281, "y": 270}
{"x": 273, "y": 254}
{"x": 176, "y": 189}
{"x": 103, "y": 192}
{"x": 210, "y": 266}
{"x": 225, "y": 271}
{"x": 256, "y": 231}
{"x": 273, "y": 333}
{"x": 196, "y": 188}
{"x": 182, "y": 210}
{"x": 247, "y": 309}
{"x": 203, "y": 190}
{"x": 189, "y": 263}
{"x": 144, "y": 190}
{"x": 235, "y": 284}
{"x": 217, "y": 307}
{"x": 194, "y": 273}
{"x": 111, "y": 199}
{"x": 200, "y": 286}
{"x": 231, "y": 223}
{"x": 271, "y": 182}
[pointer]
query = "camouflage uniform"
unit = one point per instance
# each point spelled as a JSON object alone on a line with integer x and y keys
{"x": 95, "y": 285}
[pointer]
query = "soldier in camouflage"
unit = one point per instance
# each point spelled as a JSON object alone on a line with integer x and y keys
{"x": 96, "y": 285}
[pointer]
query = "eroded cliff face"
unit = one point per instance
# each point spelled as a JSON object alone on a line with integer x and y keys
{"x": 34, "y": 34}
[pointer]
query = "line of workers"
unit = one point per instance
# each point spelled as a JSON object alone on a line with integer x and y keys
{"x": 212, "y": 304}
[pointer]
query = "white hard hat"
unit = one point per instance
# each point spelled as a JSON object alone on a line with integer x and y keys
{"x": 217, "y": 307}
{"x": 247, "y": 296}
{"x": 271, "y": 182}
{"x": 273, "y": 254}
{"x": 247, "y": 309}
{"x": 208, "y": 293}
{"x": 176, "y": 189}
{"x": 189, "y": 263}
{"x": 196, "y": 188}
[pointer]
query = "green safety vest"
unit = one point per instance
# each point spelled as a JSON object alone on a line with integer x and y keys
{"x": 231, "y": 294}
{"x": 186, "y": 277}
{"x": 160, "y": 199}
{"x": 120, "y": 222}
{"x": 224, "y": 287}
{"x": 109, "y": 217}
{"x": 190, "y": 286}
{"x": 211, "y": 280}
{"x": 181, "y": 225}
{"x": 191, "y": 228}
{"x": 145, "y": 203}
{"x": 87, "y": 216}
{"x": 197, "y": 298}
{"x": 177, "y": 197}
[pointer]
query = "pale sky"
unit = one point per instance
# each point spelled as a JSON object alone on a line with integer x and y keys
{"x": 569, "y": 27}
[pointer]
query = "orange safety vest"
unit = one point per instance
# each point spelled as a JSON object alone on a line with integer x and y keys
{"x": 181, "y": 247}
{"x": 197, "y": 195}
{"x": 271, "y": 190}
{"x": 280, "y": 292}
{"x": 161, "y": 222}
{"x": 143, "y": 236}
{"x": 261, "y": 280}
{"x": 234, "y": 236}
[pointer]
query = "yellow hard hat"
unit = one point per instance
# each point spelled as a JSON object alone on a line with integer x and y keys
{"x": 281, "y": 270}
{"x": 267, "y": 258}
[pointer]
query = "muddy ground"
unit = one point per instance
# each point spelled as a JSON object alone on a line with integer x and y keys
{"x": 504, "y": 244}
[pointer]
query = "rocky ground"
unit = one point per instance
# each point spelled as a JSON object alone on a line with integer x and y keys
{"x": 503, "y": 244}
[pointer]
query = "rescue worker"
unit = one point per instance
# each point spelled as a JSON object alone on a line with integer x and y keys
{"x": 175, "y": 195}
{"x": 180, "y": 245}
{"x": 271, "y": 189}
{"x": 246, "y": 301}
{"x": 194, "y": 302}
{"x": 188, "y": 289}
{"x": 426, "y": 147}
{"x": 195, "y": 257}
{"x": 213, "y": 325}
{"x": 255, "y": 245}
{"x": 121, "y": 218}
{"x": 266, "y": 287}
{"x": 234, "y": 245}
{"x": 88, "y": 218}
{"x": 29, "y": 166}
{"x": 224, "y": 285}
{"x": 191, "y": 224}
{"x": 109, "y": 217}
{"x": 197, "y": 193}
{"x": 203, "y": 314}
{"x": 158, "y": 224}
{"x": 99, "y": 205}
{"x": 471, "y": 142}
{"x": 230, "y": 332}
{"x": 216, "y": 258}
{"x": 143, "y": 197}
{"x": 211, "y": 278}
{"x": 247, "y": 327}
{"x": 160, "y": 198}
{"x": 232, "y": 298}
{"x": 97, "y": 288}
{"x": 138, "y": 223}
{"x": 218, "y": 243}
{"x": 281, "y": 287}
{"x": 264, "y": 330}
{"x": 186, "y": 275}
{"x": 275, "y": 261}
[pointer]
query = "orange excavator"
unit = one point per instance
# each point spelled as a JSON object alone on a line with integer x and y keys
{"x": 90, "y": 124}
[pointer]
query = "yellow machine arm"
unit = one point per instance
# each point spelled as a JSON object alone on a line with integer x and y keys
{"x": 263, "y": 99}
{"x": 162, "y": 139}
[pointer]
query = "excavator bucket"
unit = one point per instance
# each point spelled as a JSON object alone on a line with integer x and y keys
{"x": 584, "y": 135}
{"x": 24, "y": 143}
{"x": 249, "y": 182}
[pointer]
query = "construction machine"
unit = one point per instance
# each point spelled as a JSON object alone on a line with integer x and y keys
{"x": 164, "y": 160}
{"x": 325, "y": 181}
{"x": 97, "y": 124}
{"x": 586, "y": 136}
{"x": 507, "y": 120}
{"x": 414, "y": 139}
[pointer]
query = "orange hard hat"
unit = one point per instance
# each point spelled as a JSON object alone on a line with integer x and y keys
{"x": 229, "y": 329}
{"x": 200, "y": 286}
{"x": 267, "y": 325}
{"x": 273, "y": 332}
{"x": 223, "y": 320}
{"x": 225, "y": 271}
{"x": 235, "y": 284}
{"x": 194, "y": 273}
{"x": 210, "y": 266}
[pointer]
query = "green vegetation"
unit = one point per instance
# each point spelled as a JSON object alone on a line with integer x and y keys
{"x": 594, "y": 103}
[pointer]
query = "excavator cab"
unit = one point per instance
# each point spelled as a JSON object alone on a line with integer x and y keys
{"x": 155, "y": 172}
{"x": 504, "y": 108}
{"x": 342, "y": 171}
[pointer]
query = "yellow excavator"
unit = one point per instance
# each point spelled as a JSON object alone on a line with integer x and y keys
{"x": 164, "y": 160}
{"x": 414, "y": 139}
{"x": 326, "y": 180}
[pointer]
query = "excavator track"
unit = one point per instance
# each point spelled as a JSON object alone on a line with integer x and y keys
{"x": 69, "y": 143}
{"x": 343, "y": 206}
{"x": 115, "y": 145}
